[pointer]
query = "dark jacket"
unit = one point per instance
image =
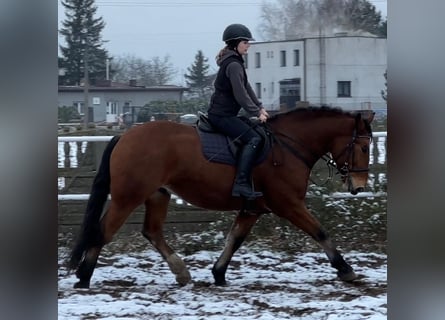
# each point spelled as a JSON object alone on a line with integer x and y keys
{"x": 232, "y": 89}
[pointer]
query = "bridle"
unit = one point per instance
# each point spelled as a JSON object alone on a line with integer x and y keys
{"x": 347, "y": 167}
{"x": 349, "y": 150}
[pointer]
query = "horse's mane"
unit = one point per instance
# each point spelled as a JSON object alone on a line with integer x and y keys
{"x": 312, "y": 110}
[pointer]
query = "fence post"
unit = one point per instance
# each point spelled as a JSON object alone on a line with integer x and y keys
{"x": 99, "y": 148}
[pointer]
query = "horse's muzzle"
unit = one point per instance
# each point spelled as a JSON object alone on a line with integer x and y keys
{"x": 354, "y": 191}
{"x": 355, "y": 188}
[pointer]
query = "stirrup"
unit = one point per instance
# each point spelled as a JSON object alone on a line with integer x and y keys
{"x": 246, "y": 192}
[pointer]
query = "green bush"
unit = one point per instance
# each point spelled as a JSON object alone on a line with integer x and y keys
{"x": 68, "y": 113}
{"x": 163, "y": 110}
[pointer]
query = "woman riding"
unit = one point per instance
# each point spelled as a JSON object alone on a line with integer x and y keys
{"x": 233, "y": 92}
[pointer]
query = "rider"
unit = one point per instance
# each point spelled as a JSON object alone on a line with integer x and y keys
{"x": 233, "y": 92}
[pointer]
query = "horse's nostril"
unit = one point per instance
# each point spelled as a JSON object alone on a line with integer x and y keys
{"x": 357, "y": 190}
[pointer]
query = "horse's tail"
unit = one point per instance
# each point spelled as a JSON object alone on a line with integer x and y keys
{"x": 90, "y": 234}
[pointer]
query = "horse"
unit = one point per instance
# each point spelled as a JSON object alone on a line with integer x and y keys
{"x": 149, "y": 162}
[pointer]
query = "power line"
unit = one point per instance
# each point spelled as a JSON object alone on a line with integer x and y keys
{"x": 186, "y": 4}
{"x": 174, "y": 4}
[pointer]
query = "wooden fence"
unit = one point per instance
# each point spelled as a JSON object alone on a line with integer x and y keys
{"x": 79, "y": 157}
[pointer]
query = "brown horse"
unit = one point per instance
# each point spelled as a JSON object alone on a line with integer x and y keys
{"x": 148, "y": 162}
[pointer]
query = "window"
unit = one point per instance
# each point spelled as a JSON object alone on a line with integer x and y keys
{"x": 296, "y": 57}
{"x": 343, "y": 88}
{"x": 282, "y": 58}
{"x": 258, "y": 89}
{"x": 257, "y": 60}
{"x": 96, "y": 100}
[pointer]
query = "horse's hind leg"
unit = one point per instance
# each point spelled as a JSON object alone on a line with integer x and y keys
{"x": 112, "y": 220}
{"x": 86, "y": 267}
{"x": 238, "y": 233}
{"x": 156, "y": 211}
{"x": 304, "y": 220}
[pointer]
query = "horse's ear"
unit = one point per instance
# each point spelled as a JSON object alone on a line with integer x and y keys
{"x": 366, "y": 115}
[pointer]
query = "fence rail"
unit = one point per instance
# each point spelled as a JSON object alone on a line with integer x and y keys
{"x": 108, "y": 138}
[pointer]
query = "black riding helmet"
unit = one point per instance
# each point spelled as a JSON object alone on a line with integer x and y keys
{"x": 237, "y": 31}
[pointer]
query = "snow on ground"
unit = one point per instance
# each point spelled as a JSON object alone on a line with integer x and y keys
{"x": 263, "y": 283}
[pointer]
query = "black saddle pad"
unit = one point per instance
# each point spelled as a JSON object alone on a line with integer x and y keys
{"x": 217, "y": 147}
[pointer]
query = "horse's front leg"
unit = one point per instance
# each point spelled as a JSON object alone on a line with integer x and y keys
{"x": 156, "y": 207}
{"x": 304, "y": 220}
{"x": 238, "y": 233}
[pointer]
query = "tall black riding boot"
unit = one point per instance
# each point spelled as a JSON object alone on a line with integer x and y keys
{"x": 246, "y": 158}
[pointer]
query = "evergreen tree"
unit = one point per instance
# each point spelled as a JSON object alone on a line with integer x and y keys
{"x": 383, "y": 29}
{"x": 82, "y": 32}
{"x": 363, "y": 16}
{"x": 197, "y": 77}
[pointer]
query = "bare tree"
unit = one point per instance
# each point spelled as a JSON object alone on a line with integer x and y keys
{"x": 163, "y": 70}
{"x": 152, "y": 72}
{"x": 293, "y": 19}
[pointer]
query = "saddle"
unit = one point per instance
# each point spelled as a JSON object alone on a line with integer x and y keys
{"x": 217, "y": 147}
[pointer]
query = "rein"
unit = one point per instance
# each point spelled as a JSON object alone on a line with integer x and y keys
{"x": 294, "y": 151}
{"x": 329, "y": 161}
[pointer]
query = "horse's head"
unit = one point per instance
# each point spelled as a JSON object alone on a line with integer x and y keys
{"x": 351, "y": 154}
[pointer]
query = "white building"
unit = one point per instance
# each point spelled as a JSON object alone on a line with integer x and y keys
{"x": 344, "y": 71}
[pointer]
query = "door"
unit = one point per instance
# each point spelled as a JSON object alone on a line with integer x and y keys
{"x": 289, "y": 93}
{"x": 112, "y": 112}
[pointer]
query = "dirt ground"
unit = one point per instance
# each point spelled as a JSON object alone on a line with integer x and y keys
{"x": 279, "y": 273}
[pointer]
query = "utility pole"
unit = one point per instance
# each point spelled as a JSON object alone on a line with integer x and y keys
{"x": 322, "y": 56}
{"x": 107, "y": 63}
{"x": 86, "y": 84}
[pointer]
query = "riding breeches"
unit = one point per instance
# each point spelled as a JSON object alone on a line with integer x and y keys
{"x": 234, "y": 127}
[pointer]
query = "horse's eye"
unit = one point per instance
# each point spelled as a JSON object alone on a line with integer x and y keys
{"x": 365, "y": 149}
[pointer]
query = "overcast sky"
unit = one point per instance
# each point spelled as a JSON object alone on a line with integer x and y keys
{"x": 178, "y": 28}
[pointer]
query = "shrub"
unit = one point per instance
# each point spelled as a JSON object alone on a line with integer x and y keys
{"x": 68, "y": 113}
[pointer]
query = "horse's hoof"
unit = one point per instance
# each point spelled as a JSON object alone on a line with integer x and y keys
{"x": 347, "y": 277}
{"x": 220, "y": 282}
{"x": 183, "y": 278}
{"x": 219, "y": 276}
{"x": 82, "y": 285}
